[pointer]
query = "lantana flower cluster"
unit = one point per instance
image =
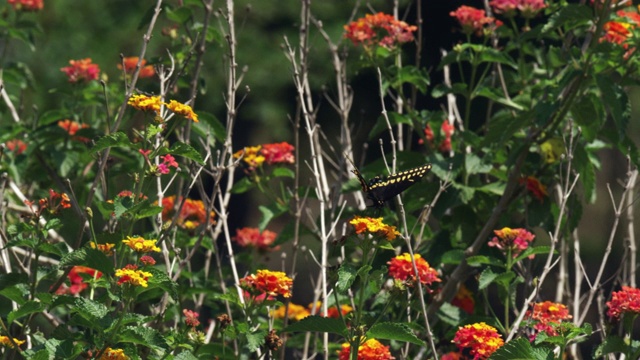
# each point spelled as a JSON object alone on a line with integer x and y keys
{"x": 192, "y": 214}
{"x": 83, "y": 70}
{"x": 272, "y": 154}
{"x": 401, "y": 269}
{"x": 535, "y": 187}
{"x": 547, "y": 315}
{"x": 270, "y": 283}
{"x": 479, "y": 340}
{"x": 371, "y": 349}
{"x": 54, "y": 203}
{"x": 26, "y": 5}
{"x": 78, "y": 283}
{"x": 253, "y": 237}
{"x": 446, "y": 129}
{"x": 154, "y": 103}
{"x": 374, "y": 226}
{"x": 131, "y": 275}
{"x": 130, "y": 64}
{"x": 514, "y": 240}
{"x": 509, "y": 8}
{"x": 140, "y": 244}
{"x": 379, "y": 30}
{"x": 624, "y": 301}
{"x": 72, "y": 127}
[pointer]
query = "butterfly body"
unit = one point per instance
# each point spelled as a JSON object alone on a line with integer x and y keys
{"x": 381, "y": 190}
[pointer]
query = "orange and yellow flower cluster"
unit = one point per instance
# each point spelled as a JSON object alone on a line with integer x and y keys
{"x": 401, "y": 268}
{"x": 131, "y": 275}
{"x": 113, "y": 354}
{"x": 153, "y": 104}
{"x": 371, "y": 349}
{"x": 379, "y": 30}
{"x": 299, "y": 312}
{"x": 130, "y": 64}
{"x": 140, "y": 244}
{"x": 374, "y": 226}
{"x": 479, "y": 339}
{"x": 270, "y": 283}
{"x": 192, "y": 214}
{"x": 547, "y": 315}
{"x": 72, "y": 127}
{"x": 620, "y": 31}
{"x": 5, "y": 341}
{"x": 272, "y": 154}
{"x": 253, "y": 237}
{"x": 624, "y": 301}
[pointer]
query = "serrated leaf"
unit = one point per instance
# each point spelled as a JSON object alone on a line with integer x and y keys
{"x": 255, "y": 340}
{"x": 25, "y": 309}
{"x": 15, "y": 293}
{"x": 187, "y": 151}
{"x": 394, "y": 331}
{"x": 89, "y": 309}
{"x": 486, "y": 278}
{"x": 450, "y": 314}
{"x": 474, "y": 165}
{"x": 185, "y": 355}
{"x": 569, "y": 16}
{"x": 118, "y": 139}
{"x": 162, "y": 280}
{"x": 12, "y": 279}
{"x": 521, "y": 349}
{"x": 143, "y": 335}
{"x": 318, "y": 324}
{"x": 92, "y": 258}
{"x": 42, "y": 354}
{"x": 346, "y": 277}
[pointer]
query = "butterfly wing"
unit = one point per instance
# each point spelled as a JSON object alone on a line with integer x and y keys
{"x": 381, "y": 191}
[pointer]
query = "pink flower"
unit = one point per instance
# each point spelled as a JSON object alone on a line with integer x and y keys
{"x": 515, "y": 240}
{"x": 471, "y": 19}
{"x": 81, "y": 70}
{"x": 191, "y": 318}
{"x": 279, "y": 153}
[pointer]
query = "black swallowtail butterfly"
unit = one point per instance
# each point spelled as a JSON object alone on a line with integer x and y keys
{"x": 381, "y": 190}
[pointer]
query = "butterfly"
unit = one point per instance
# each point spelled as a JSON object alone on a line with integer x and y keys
{"x": 381, "y": 190}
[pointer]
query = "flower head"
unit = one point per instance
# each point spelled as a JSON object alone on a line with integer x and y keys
{"x": 251, "y": 156}
{"x": 547, "y": 315}
{"x": 168, "y": 161}
{"x": 374, "y": 226}
{"x": 253, "y": 237}
{"x": 626, "y": 300}
{"x": 55, "y": 202}
{"x": 371, "y": 349}
{"x": 480, "y": 339}
{"x": 145, "y": 103}
{"x": 130, "y": 64}
{"x": 5, "y": 341}
{"x": 191, "y": 318}
{"x": 447, "y": 129}
{"x": 106, "y": 249}
{"x": 464, "y": 300}
{"x": 471, "y": 19}
{"x": 140, "y": 244}
{"x": 379, "y": 29}
{"x": 182, "y": 109}
{"x": 113, "y": 354}
{"x": 147, "y": 260}
{"x": 271, "y": 283}
{"x": 27, "y": 5}
{"x": 78, "y": 282}
{"x": 534, "y": 186}
{"x": 401, "y": 268}
{"x": 530, "y": 8}
{"x": 192, "y": 214}
{"x": 16, "y": 145}
{"x": 507, "y": 8}
{"x": 131, "y": 275}
{"x": 278, "y": 153}
{"x": 516, "y": 240}
{"x": 332, "y": 311}
{"x": 81, "y": 70}
{"x": 72, "y": 128}
{"x": 293, "y": 311}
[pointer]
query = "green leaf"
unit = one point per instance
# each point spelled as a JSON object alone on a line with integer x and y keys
{"x": 615, "y": 101}
{"x": 394, "y": 331}
{"x": 475, "y": 165}
{"x": 394, "y": 119}
{"x": 42, "y": 354}
{"x": 449, "y": 314}
{"x": 161, "y": 279}
{"x": 612, "y": 344}
{"x": 118, "y": 139}
{"x": 15, "y": 293}
{"x": 92, "y": 258}
{"x": 283, "y": 172}
{"x": 484, "y": 260}
{"x": 185, "y": 355}
{"x": 588, "y": 112}
{"x": 63, "y": 350}
{"x": 569, "y": 16}
{"x": 346, "y": 277}
{"x": 255, "y": 340}
{"x": 412, "y": 75}
{"x": 486, "y": 278}
{"x": 269, "y": 213}
{"x": 319, "y": 324}
{"x": 210, "y": 123}
{"x": 51, "y": 116}
{"x": 145, "y": 336}
{"x": 90, "y": 310}
{"x": 452, "y": 257}
{"x": 12, "y": 279}
{"x": 489, "y": 54}
{"x": 521, "y": 349}
{"x": 242, "y": 186}
{"x": 495, "y": 188}
{"x": 534, "y": 250}
{"x": 497, "y": 95}
{"x": 25, "y": 309}
{"x": 187, "y": 151}
{"x": 179, "y": 15}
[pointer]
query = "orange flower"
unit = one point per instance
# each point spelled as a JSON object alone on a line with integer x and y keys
{"x": 401, "y": 268}
{"x": 332, "y": 311}
{"x": 107, "y": 248}
{"x": 250, "y": 155}
{"x": 446, "y": 131}
{"x": 113, "y": 354}
{"x": 130, "y": 64}
{"x": 72, "y": 128}
{"x": 616, "y": 32}
{"x": 479, "y": 339}
{"x": 182, "y": 109}
{"x": 139, "y": 244}
{"x": 374, "y": 226}
{"x": 626, "y": 300}
{"x": 252, "y": 237}
{"x": 464, "y": 300}
{"x": 271, "y": 283}
{"x": 379, "y": 29}
{"x": 145, "y": 103}
{"x": 515, "y": 240}
{"x": 131, "y": 275}
{"x": 55, "y": 202}
{"x": 81, "y": 70}
{"x": 294, "y": 312}
{"x": 5, "y": 341}
{"x": 371, "y": 349}
{"x": 26, "y": 5}
{"x": 534, "y": 186}
{"x": 471, "y": 19}
{"x": 78, "y": 282}
{"x": 192, "y": 214}
{"x": 279, "y": 153}
{"x": 547, "y": 315}
{"x": 16, "y": 145}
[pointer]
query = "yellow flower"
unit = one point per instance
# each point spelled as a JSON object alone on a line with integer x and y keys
{"x": 113, "y": 354}
{"x": 4, "y": 340}
{"x": 252, "y": 156}
{"x": 145, "y": 103}
{"x": 131, "y": 275}
{"x": 182, "y": 109}
{"x": 295, "y": 312}
{"x": 107, "y": 248}
{"x": 139, "y": 244}
{"x": 374, "y": 226}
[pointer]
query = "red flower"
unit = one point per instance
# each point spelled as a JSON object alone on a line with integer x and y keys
{"x": 81, "y": 70}
{"x": 130, "y": 67}
{"x": 72, "y": 128}
{"x": 147, "y": 260}
{"x": 547, "y": 315}
{"x": 446, "y": 131}
{"x": 464, "y": 300}
{"x": 480, "y": 339}
{"x": 77, "y": 282}
{"x": 471, "y": 19}
{"x": 27, "y": 5}
{"x": 332, "y": 311}
{"x": 372, "y": 349}
{"x": 626, "y": 300}
{"x": 253, "y": 237}
{"x": 534, "y": 186}
{"x": 280, "y": 153}
{"x": 505, "y": 7}
{"x": 515, "y": 240}
{"x": 191, "y": 318}
{"x": 16, "y": 145}
{"x": 192, "y": 214}
{"x": 401, "y": 268}
{"x": 268, "y": 282}
{"x": 379, "y": 29}
{"x": 617, "y": 33}
{"x": 530, "y": 8}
